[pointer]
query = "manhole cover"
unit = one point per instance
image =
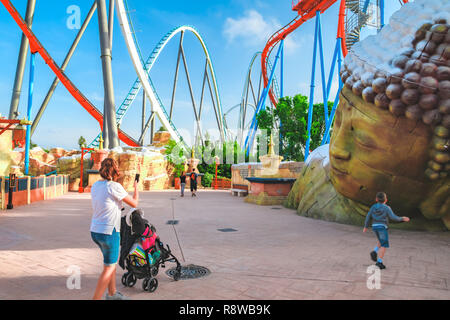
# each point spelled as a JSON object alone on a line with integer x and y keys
{"x": 172, "y": 222}
{"x": 227, "y": 230}
{"x": 189, "y": 272}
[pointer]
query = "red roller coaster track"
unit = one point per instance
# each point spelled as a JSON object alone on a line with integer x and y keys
{"x": 37, "y": 47}
{"x": 307, "y": 10}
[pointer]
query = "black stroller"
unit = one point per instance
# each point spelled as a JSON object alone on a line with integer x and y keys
{"x": 134, "y": 229}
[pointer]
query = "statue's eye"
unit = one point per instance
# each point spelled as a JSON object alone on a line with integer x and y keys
{"x": 363, "y": 139}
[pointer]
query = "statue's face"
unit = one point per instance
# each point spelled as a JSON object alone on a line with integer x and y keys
{"x": 371, "y": 150}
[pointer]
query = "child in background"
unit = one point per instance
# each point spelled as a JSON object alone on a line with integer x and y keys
{"x": 380, "y": 214}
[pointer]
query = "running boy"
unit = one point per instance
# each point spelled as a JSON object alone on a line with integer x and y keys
{"x": 380, "y": 214}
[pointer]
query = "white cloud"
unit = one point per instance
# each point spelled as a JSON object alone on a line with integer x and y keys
{"x": 254, "y": 30}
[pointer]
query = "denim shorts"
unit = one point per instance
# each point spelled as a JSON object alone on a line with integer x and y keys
{"x": 382, "y": 234}
{"x": 109, "y": 245}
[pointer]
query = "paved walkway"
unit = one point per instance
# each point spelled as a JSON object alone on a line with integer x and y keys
{"x": 274, "y": 254}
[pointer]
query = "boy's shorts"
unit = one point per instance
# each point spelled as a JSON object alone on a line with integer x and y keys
{"x": 109, "y": 245}
{"x": 382, "y": 234}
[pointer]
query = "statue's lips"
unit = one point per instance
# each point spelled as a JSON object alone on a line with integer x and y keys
{"x": 339, "y": 170}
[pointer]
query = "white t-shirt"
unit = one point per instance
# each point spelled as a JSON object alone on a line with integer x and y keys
{"x": 107, "y": 199}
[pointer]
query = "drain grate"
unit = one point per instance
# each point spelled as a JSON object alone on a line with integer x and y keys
{"x": 276, "y": 208}
{"x": 172, "y": 222}
{"x": 190, "y": 272}
{"x": 227, "y": 230}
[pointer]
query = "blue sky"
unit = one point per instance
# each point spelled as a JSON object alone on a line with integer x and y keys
{"x": 232, "y": 29}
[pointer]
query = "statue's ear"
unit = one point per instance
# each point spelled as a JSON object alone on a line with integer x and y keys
{"x": 437, "y": 202}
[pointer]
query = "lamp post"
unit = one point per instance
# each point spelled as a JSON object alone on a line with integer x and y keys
{"x": 12, "y": 185}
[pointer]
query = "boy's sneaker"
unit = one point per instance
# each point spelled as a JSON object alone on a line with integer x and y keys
{"x": 380, "y": 265}
{"x": 374, "y": 256}
{"x": 116, "y": 296}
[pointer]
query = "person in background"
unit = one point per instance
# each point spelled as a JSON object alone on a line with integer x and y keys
{"x": 107, "y": 197}
{"x": 193, "y": 176}
{"x": 182, "y": 182}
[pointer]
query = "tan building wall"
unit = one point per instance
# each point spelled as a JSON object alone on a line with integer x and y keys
{"x": 5, "y": 152}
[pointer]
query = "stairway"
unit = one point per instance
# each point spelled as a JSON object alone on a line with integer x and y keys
{"x": 356, "y": 19}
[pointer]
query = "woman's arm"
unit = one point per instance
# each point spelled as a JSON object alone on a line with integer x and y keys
{"x": 133, "y": 201}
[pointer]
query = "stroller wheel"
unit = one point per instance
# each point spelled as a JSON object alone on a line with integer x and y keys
{"x": 124, "y": 279}
{"x": 150, "y": 285}
{"x": 129, "y": 279}
{"x": 154, "y": 271}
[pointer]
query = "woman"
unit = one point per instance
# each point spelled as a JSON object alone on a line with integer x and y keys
{"x": 183, "y": 183}
{"x": 107, "y": 197}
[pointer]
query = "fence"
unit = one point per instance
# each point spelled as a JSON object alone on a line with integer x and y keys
{"x": 221, "y": 183}
{"x": 33, "y": 189}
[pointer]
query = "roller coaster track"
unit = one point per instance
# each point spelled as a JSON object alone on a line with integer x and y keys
{"x": 143, "y": 68}
{"x": 147, "y": 66}
{"x": 37, "y": 47}
{"x": 249, "y": 88}
{"x": 307, "y": 10}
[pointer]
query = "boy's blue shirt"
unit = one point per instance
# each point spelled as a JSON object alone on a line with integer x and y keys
{"x": 380, "y": 215}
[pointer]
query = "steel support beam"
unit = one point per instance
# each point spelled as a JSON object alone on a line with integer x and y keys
{"x": 110, "y": 123}
{"x": 152, "y": 130}
{"x": 203, "y": 90}
{"x": 111, "y": 23}
{"x": 261, "y": 105}
{"x": 197, "y": 119}
{"x": 63, "y": 67}
{"x": 147, "y": 125}
{"x": 30, "y": 104}
{"x": 214, "y": 105}
{"x": 23, "y": 53}
{"x": 176, "y": 75}
{"x": 381, "y": 14}
{"x": 282, "y": 70}
{"x": 144, "y": 107}
{"x": 311, "y": 92}
{"x": 322, "y": 69}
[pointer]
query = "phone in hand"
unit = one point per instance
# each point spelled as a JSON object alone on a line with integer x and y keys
{"x": 137, "y": 177}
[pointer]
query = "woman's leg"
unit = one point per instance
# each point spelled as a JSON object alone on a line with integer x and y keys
{"x": 104, "y": 281}
{"x": 112, "y": 284}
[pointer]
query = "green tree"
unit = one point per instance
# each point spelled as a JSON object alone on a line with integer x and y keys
{"x": 292, "y": 116}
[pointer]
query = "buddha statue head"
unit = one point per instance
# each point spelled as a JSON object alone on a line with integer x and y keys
{"x": 392, "y": 126}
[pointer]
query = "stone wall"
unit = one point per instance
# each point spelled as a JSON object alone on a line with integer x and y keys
{"x": 151, "y": 165}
